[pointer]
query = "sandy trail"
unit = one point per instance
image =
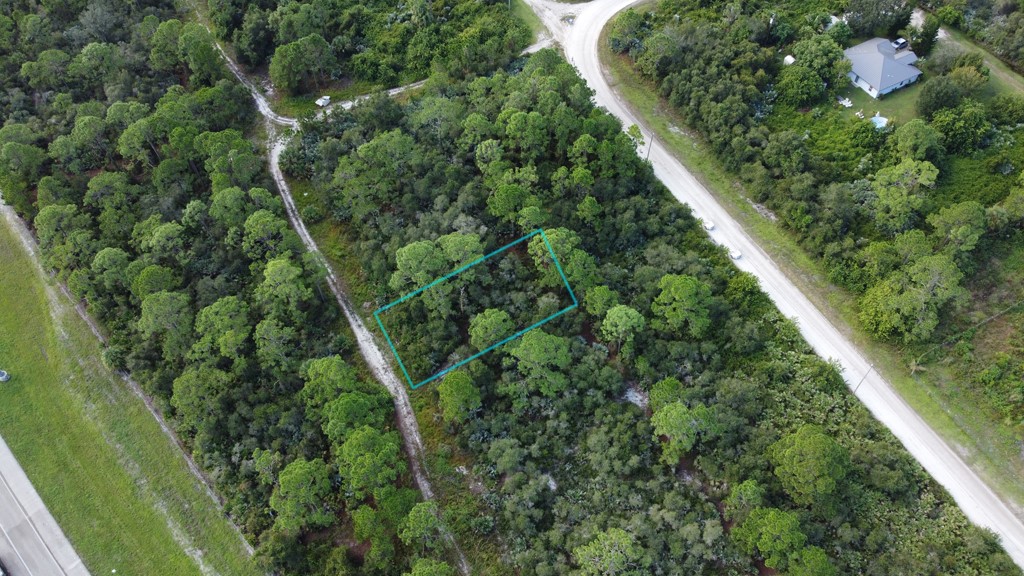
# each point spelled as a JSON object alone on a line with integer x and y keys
{"x": 407, "y": 425}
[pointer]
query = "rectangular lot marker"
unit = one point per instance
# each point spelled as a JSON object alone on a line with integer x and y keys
{"x": 558, "y": 266}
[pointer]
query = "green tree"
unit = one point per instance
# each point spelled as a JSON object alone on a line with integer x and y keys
{"x": 461, "y": 249}
{"x": 960, "y": 226}
{"x": 684, "y": 301}
{"x": 918, "y": 140}
{"x": 254, "y": 39}
{"x": 665, "y": 392}
{"x": 621, "y": 323}
{"x": 223, "y": 330}
{"x": 968, "y": 79}
{"x": 428, "y": 567}
{"x": 326, "y": 378}
{"x": 418, "y": 264}
{"x": 907, "y": 303}
{"x": 196, "y": 47}
{"x": 301, "y": 496}
{"x": 295, "y": 65}
{"x": 369, "y": 459}
{"x": 936, "y": 94}
{"x": 743, "y": 498}
{"x": 799, "y": 86}
{"x": 196, "y": 398}
{"x": 877, "y": 17}
{"x": 268, "y": 236}
{"x": 810, "y": 465}
{"x": 772, "y": 533}
{"x": 275, "y": 345}
{"x": 489, "y": 327}
{"x": 963, "y": 127}
{"x": 578, "y": 266}
{"x": 422, "y": 528}
{"x": 283, "y": 292}
{"x": 900, "y": 194}
{"x": 353, "y": 410}
{"x": 682, "y": 425}
{"x": 164, "y": 55}
{"x": 541, "y": 358}
{"x": 85, "y": 148}
{"x": 459, "y": 398}
{"x": 599, "y": 299}
{"x": 167, "y": 316}
{"x": 20, "y": 167}
{"x": 613, "y": 552}
{"x": 810, "y": 561}
{"x": 823, "y": 56}
{"x": 924, "y": 39}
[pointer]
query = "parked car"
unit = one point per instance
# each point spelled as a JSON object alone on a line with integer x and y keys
{"x": 708, "y": 225}
{"x": 900, "y": 43}
{"x": 735, "y": 254}
{"x": 4, "y": 377}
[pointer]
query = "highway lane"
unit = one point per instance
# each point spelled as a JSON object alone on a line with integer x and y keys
{"x": 31, "y": 542}
{"x": 578, "y": 28}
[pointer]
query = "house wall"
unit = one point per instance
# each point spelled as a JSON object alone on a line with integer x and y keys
{"x": 863, "y": 85}
{"x": 898, "y": 86}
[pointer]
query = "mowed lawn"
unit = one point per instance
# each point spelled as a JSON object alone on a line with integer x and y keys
{"x": 116, "y": 484}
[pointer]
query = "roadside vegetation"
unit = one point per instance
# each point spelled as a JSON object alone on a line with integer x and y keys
{"x": 932, "y": 201}
{"x": 117, "y": 485}
{"x": 994, "y": 23}
{"x": 750, "y": 453}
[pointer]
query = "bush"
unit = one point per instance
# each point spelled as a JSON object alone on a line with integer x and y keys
{"x": 938, "y": 94}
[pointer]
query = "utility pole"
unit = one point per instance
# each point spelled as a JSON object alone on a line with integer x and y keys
{"x": 870, "y": 368}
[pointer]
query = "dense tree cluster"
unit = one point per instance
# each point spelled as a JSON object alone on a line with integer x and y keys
{"x": 124, "y": 143}
{"x": 883, "y": 209}
{"x": 309, "y": 43}
{"x": 751, "y": 449}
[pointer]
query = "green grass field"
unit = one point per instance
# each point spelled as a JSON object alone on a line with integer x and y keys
{"x": 991, "y": 448}
{"x": 117, "y": 485}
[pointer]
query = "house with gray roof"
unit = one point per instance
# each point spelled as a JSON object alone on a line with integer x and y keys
{"x": 878, "y": 68}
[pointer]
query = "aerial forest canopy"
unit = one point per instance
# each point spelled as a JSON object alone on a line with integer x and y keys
{"x": 309, "y": 44}
{"x": 750, "y": 452}
{"x": 131, "y": 150}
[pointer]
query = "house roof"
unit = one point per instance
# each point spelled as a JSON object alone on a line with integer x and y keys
{"x": 879, "y": 64}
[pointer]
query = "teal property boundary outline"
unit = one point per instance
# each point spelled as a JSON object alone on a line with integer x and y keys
{"x": 558, "y": 266}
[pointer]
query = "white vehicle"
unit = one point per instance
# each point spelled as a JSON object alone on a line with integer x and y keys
{"x": 4, "y": 376}
{"x": 735, "y": 254}
{"x": 708, "y": 225}
{"x": 323, "y": 101}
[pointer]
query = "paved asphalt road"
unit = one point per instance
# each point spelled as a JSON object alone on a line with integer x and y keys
{"x": 31, "y": 542}
{"x": 578, "y": 28}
